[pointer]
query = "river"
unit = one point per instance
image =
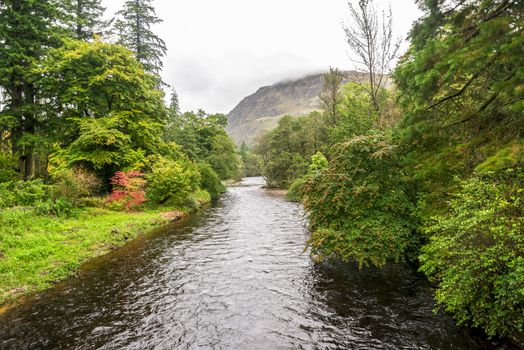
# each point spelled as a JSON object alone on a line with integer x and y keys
{"x": 234, "y": 276}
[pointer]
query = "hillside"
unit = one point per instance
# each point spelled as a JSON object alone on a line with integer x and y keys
{"x": 262, "y": 110}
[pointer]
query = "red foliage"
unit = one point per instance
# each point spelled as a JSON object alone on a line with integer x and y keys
{"x": 128, "y": 188}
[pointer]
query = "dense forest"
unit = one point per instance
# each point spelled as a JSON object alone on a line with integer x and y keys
{"x": 428, "y": 169}
{"x": 86, "y": 133}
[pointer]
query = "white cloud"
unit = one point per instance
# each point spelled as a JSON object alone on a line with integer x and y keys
{"x": 222, "y": 51}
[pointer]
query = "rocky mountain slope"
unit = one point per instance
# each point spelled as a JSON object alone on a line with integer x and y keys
{"x": 262, "y": 110}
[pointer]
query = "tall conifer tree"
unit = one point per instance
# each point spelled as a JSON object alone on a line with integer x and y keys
{"x": 27, "y": 30}
{"x": 133, "y": 28}
{"x": 87, "y": 18}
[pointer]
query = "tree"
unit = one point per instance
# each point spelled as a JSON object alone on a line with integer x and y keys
{"x": 459, "y": 85}
{"x": 372, "y": 42}
{"x": 108, "y": 111}
{"x": 223, "y": 158}
{"x": 286, "y": 150}
{"x": 475, "y": 250}
{"x": 202, "y": 137}
{"x": 27, "y": 30}
{"x": 86, "y": 18}
{"x": 134, "y": 31}
{"x": 358, "y": 206}
{"x": 174, "y": 105}
{"x": 330, "y": 97}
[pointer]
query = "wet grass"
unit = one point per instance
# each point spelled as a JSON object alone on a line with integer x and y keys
{"x": 37, "y": 251}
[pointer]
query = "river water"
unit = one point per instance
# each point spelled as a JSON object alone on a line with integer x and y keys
{"x": 232, "y": 277}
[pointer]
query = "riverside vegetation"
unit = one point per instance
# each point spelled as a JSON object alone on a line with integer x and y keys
{"x": 431, "y": 174}
{"x": 90, "y": 155}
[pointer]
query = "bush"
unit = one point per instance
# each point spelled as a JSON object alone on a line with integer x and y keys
{"x": 295, "y": 191}
{"x": 23, "y": 193}
{"x": 172, "y": 182}
{"x": 75, "y": 184}
{"x": 128, "y": 190}
{"x": 358, "y": 207}
{"x": 209, "y": 181}
{"x": 475, "y": 253}
{"x": 8, "y": 165}
{"x": 59, "y": 207}
{"x": 202, "y": 196}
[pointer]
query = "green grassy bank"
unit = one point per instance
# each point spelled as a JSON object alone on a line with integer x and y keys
{"x": 37, "y": 251}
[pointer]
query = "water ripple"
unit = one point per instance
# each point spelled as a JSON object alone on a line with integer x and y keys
{"x": 234, "y": 277}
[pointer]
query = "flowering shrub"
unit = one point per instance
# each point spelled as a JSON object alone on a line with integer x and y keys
{"x": 128, "y": 190}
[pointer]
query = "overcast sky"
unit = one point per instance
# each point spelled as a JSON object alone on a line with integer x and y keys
{"x": 222, "y": 51}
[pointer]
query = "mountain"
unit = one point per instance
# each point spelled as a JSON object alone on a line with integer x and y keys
{"x": 262, "y": 110}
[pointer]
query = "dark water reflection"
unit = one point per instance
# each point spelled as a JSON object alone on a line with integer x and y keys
{"x": 233, "y": 277}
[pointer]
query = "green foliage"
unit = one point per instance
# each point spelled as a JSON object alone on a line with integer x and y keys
{"x": 295, "y": 191}
{"x": 358, "y": 206}
{"x": 172, "y": 182}
{"x": 250, "y": 161}
{"x": 318, "y": 163}
{"x": 475, "y": 253}
{"x": 210, "y": 181}
{"x": 23, "y": 193}
{"x": 75, "y": 184}
{"x": 8, "y": 165}
{"x": 60, "y": 207}
{"x": 224, "y": 159}
{"x": 86, "y": 18}
{"x": 285, "y": 151}
{"x": 133, "y": 28}
{"x": 461, "y": 87}
{"x": 201, "y": 196}
{"x": 202, "y": 137}
{"x": 27, "y": 30}
{"x": 460, "y": 84}
{"x": 104, "y": 145}
{"x": 112, "y": 111}
{"x": 356, "y": 114}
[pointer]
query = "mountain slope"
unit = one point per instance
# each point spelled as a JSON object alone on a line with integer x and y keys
{"x": 262, "y": 110}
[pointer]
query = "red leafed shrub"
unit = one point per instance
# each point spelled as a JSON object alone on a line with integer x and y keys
{"x": 128, "y": 190}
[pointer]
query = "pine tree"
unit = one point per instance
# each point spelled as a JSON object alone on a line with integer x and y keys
{"x": 134, "y": 31}
{"x": 174, "y": 106}
{"x": 27, "y": 30}
{"x": 86, "y": 18}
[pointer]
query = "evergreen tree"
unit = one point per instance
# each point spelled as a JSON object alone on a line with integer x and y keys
{"x": 86, "y": 18}
{"x": 27, "y": 30}
{"x": 134, "y": 31}
{"x": 174, "y": 106}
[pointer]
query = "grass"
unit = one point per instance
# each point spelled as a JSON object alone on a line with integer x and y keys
{"x": 37, "y": 251}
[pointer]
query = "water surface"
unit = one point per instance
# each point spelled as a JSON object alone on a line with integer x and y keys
{"x": 233, "y": 277}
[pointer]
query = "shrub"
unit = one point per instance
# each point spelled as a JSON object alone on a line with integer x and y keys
{"x": 23, "y": 193}
{"x": 128, "y": 190}
{"x": 358, "y": 206}
{"x": 475, "y": 253}
{"x": 75, "y": 184}
{"x": 59, "y": 207}
{"x": 172, "y": 182}
{"x": 295, "y": 191}
{"x": 202, "y": 196}
{"x": 210, "y": 181}
{"x": 7, "y": 168}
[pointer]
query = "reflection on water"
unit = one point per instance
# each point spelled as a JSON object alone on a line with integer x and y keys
{"x": 233, "y": 277}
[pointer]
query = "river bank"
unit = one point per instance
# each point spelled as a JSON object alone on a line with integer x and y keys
{"x": 38, "y": 251}
{"x": 235, "y": 276}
